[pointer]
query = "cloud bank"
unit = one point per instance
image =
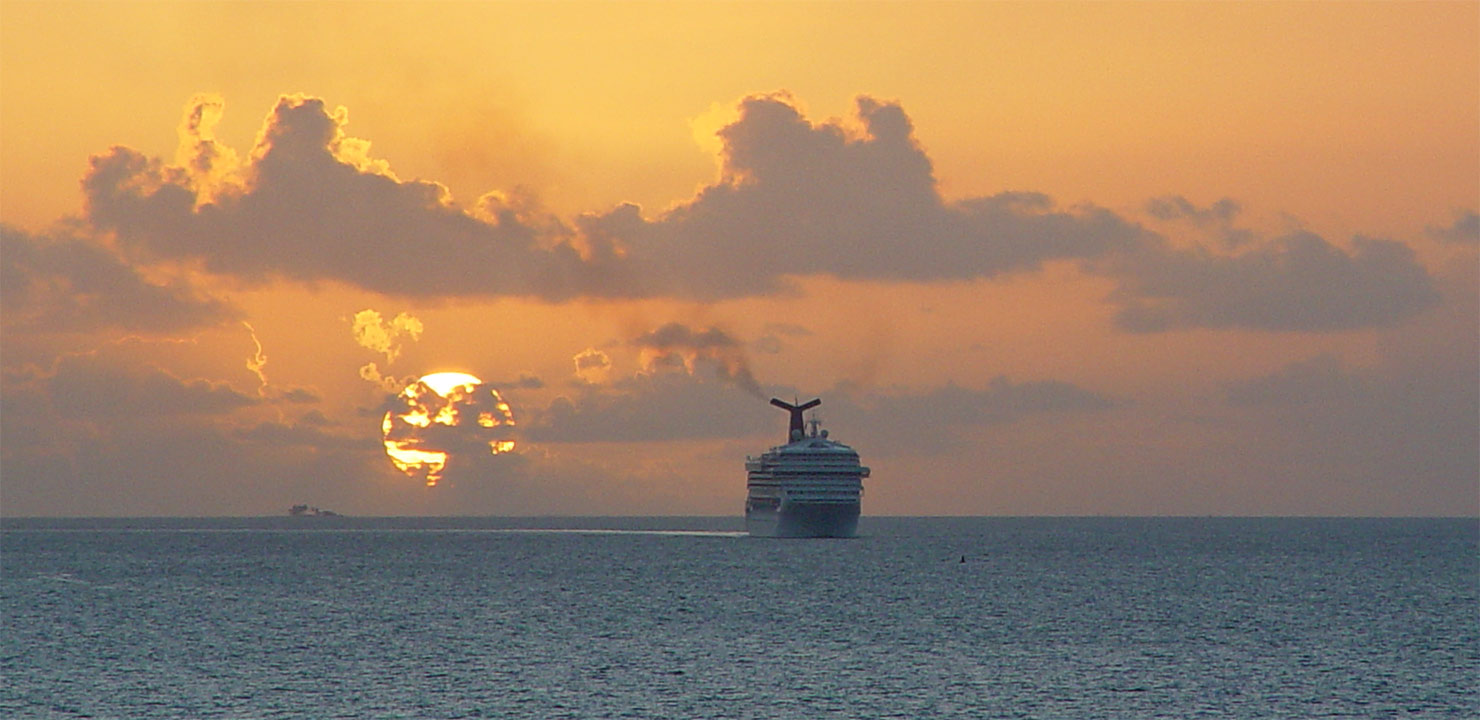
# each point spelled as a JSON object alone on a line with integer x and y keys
{"x": 794, "y": 198}
{"x": 69, "y": 283}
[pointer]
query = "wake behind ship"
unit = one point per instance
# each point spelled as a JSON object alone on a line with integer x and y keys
{"x": 810, "y": 487}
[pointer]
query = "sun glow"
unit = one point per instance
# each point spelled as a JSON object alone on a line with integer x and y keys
{"x": 428, "y": 423}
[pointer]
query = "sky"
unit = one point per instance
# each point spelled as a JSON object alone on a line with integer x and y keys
{"x": 1060, "y": 258}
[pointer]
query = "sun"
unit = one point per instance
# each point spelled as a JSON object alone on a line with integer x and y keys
{"x": 441, "y": 414}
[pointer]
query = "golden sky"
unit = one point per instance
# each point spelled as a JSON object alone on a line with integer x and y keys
{"x": 1036, "y": 258}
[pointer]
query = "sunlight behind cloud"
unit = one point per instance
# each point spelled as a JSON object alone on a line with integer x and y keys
{"x": 439, "y": 415}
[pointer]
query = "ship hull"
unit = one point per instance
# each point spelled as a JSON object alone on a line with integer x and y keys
{"x": 804, "y": 520}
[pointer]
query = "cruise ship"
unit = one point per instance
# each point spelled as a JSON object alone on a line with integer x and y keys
{"x": 809, "y": 487}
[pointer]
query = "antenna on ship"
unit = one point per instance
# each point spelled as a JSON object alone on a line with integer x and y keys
{"x": 794, "y": 431}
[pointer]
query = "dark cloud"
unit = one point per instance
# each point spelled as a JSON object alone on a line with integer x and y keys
{"x": 1217, "y": 218}
{"x": 799, "y": 198}
{"x": 308, "y": 432}
{"x": 796, "y": 198}
{"x": 1299, "y": 282}
{"x": 525, "y": 381}
{"x": 1317, "y": 380}
{"x": 1176, "y": 207}
{"x": 103, "y": 436}
{"x": 87, "y": 386}
{"x": 770, "y": 341}
{"x": 300, "y": 396}
{"x": 67, "y": 283}
{"x": 855, "y": 200}
{"x": 312, "y": 205}
{"x": 186, "y": 469}
{"x": 675, "y": 344}
{"x": 1465, "y": 230}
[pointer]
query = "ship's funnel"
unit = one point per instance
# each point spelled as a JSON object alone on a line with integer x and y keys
{"x": 797, "y": 423}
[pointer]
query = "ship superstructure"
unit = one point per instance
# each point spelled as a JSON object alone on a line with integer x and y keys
{"x": 810, "y": 487}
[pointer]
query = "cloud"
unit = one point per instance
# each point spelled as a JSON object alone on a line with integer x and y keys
{"x": 525, "y": 381}
{"x": 257, "y": 361}
{"x": 103, "y": 434}
{"x": 370, "y": 372}
{"x": 1317, "y": 380}
{"x": 1216, "y": 218}
{"x": 67, "y": 283}
{"x": 116, "y": 465}
{"x": 1298, "y": 282}
{"x": 312, "y": 204}
{"x": 855, "y": 200}
{"x": 593, "y": 366}
{"x": 675, "y": 343}
{"x": 426, "y": 431}
{"x": 796, "y": 198}
{"x": 300, "y": 396}
{"x": 87, "y": 386}
{"x": 770, "y": 340}
{"x": 374, "y": 333}
{"x": 1176, "y": 207}
{"x": 308, "y": 432}
{"x": 1465, "y": 230}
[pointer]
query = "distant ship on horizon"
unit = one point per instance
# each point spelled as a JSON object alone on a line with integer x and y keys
{"x": 810, "y": 487}
{"x": 310, "y": 511}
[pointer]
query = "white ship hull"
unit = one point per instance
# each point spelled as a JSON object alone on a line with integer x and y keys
{"x": 804, "y": 520}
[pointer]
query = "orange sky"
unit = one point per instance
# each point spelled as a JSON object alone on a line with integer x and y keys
{"x": 1118, "y": 342}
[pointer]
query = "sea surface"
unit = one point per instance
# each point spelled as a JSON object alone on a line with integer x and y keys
{"x": 688, "y": 618}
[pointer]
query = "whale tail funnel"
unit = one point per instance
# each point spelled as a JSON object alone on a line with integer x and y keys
{"x": 794, "y": 431}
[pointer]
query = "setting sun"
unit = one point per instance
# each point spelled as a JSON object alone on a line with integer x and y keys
{"x": 421, "y": 435}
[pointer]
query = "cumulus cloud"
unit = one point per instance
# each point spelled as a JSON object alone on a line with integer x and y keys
{"x": 800, "y": 198}
{"x": 311, "y": 204}
{"x": 853, "y": 199}
{"x": 67, "y": 283}
{"x": 795, "y": 198}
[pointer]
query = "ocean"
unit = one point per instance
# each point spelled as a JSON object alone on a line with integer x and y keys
{"x": 688, "y": 618}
